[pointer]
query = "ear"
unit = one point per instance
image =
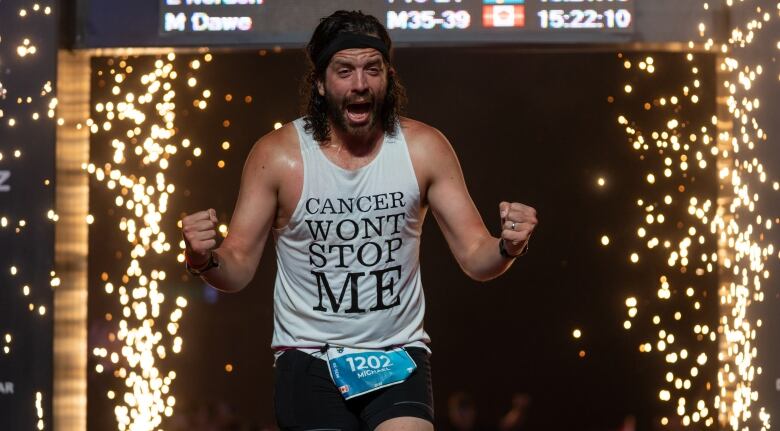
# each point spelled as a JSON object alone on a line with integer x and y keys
{"x": 320, "y": 87}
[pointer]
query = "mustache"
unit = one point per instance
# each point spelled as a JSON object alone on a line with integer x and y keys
{"x": 359, "y": 101}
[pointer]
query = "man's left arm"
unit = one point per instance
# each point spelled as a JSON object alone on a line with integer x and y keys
{"x": 480, "y": 255}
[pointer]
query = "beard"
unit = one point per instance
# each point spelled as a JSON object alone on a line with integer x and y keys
{"x": 342, "y": 112}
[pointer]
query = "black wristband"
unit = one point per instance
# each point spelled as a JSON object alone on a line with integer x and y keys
{"x": 198, "y": 271}
{"x": 505, "y": 254}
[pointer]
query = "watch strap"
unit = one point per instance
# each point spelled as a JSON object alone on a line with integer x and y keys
{"x": 212, "y": 262}
{"x": 505, "y": 254}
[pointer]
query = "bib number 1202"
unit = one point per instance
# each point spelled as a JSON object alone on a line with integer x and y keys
{"x": 374, "y": 362}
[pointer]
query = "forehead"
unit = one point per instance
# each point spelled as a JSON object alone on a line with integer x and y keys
{"x": 357, "y": 55}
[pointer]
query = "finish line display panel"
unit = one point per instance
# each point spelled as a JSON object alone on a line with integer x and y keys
{"x": 290, "y": 22}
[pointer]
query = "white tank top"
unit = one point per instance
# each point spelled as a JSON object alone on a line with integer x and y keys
{"x": 348, "y": 271}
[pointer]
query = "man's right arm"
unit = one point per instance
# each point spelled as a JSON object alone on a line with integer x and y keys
{"x": 240, "y": 252}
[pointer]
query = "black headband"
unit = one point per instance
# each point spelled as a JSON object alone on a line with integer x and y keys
{"x": 347, "y": 41}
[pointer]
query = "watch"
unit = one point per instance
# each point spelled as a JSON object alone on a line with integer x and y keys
{"x": 504, "y": 253}
{"x": 212, "y": 262}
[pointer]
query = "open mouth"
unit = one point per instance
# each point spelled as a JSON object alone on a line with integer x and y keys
{"x": 358, "y": 112}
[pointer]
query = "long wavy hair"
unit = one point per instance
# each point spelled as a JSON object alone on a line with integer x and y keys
{"x": 316, "y": 106}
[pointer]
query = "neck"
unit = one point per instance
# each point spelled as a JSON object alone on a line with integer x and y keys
{"x": 357, "y": 144}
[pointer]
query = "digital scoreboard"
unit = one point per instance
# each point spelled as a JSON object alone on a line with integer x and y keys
{"x": 291, "y": 22}
{"x": 408, "y": 20}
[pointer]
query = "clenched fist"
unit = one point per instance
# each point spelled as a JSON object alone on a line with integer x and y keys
{"x": 518, "y": 222}
{"x": 200, "y": 235}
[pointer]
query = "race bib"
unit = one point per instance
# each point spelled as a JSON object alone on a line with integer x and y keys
{"x": 357, "y": 371}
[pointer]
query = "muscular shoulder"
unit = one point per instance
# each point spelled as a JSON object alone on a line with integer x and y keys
{"x": 428, "y": 147}
{"x": 275, "y": 153}
{"x": 419, "y": 134}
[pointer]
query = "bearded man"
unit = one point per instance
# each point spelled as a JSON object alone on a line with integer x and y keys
{"x": 345, "y": 190}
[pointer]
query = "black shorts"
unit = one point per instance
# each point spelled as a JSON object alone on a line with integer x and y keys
{"x": 305, "y": 397}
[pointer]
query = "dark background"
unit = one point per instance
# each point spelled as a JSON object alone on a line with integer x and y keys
{"x": 533, "y": 127}
{"x": 27, "y": 368}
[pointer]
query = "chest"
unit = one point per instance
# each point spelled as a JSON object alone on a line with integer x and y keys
{"x": 329, "y": 187}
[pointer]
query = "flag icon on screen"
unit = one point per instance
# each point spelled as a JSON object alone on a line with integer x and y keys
{"x": 503, "y": 16}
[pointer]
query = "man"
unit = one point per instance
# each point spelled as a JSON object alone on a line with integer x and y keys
{"x": 345, "y": 190}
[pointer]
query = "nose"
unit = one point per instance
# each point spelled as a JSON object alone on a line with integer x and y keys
{"x": 360, "y": 83}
